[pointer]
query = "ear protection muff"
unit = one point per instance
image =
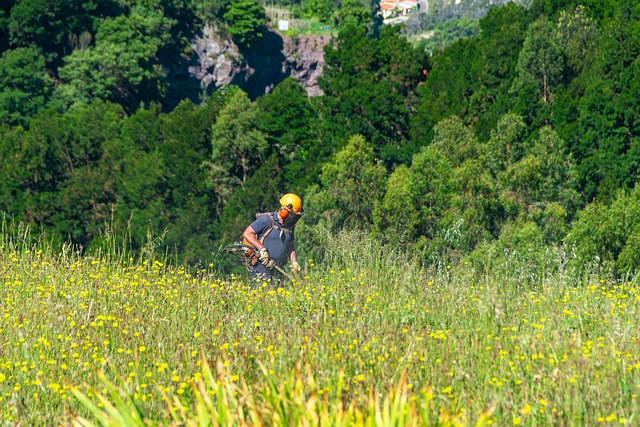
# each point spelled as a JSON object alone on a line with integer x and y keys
{"x": 284, "y": 211}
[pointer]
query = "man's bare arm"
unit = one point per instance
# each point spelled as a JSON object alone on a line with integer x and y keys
{"x": 252, "y": 237}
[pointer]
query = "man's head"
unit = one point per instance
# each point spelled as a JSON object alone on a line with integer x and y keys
{"x": 291, "y": 209}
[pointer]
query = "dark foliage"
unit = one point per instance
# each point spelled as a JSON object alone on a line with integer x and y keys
{"x": 522, "y": 137}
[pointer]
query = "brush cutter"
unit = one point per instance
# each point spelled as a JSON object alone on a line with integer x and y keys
{"x": 247, "y": 253}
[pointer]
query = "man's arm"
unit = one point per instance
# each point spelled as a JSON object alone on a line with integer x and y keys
{"x": 291, "y": 252}
{"x": 252, "y": 237}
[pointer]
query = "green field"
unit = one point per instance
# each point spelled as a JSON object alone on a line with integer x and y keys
{"x": 361, "y": 338}
{"x": 309, "y": 27}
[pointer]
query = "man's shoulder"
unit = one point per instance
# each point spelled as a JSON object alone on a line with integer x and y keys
{"x": 261, "y": 221}
{"x": 269, "y": 217}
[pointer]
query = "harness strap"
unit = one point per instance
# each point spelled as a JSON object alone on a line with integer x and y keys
{"x": 274, "y": 224}
{"x": 253, "y": 259}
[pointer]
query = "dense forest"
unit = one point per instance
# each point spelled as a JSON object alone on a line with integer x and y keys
{"x": 503, "y": 148}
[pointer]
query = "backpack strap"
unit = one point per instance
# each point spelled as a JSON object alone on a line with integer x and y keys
{"x": 274, "y": 225}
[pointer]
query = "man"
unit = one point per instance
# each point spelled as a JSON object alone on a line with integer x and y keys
{"x": 272, "y": 237}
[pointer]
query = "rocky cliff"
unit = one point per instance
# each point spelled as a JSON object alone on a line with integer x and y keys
{"x": 220, "y": 62}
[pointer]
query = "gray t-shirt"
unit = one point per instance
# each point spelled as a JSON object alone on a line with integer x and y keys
{"x": 275, "y": 242}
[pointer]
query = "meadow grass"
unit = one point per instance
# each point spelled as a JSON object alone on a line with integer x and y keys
{"x": 364, "y": 337}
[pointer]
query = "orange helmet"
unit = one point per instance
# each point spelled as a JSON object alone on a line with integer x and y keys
{"x": 292, "y": 203}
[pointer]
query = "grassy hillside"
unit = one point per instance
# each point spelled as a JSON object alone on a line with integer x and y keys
{"x": 471, "y": 347}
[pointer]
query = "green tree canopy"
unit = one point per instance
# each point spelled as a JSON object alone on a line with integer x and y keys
{"x": 237, "y": 145}
{"x": 319, "y": 9}
{"x": 288, "y": 118}
{"x": 373, "y": 81}
{"x": 579, "y": 37}
{"x": 352, "y": 12}
{"x": 246, "y": 21}
{"x": 541, "y": 62}
{"x": 121, "y": 67}
{"x": 51, "y": 26}
{"x": 608, "y": 235}
{"x": 4, "y": 25}
{"x": 352, "y": 184}
{"x": 472, "y": 77}
{"x": 25, "y": 85}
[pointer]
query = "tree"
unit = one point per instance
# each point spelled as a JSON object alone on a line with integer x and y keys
{"x": 443, "y": 93}
{"x": 430, "y": 188}
{"x": 287, "y": 118}
{"x": 238, "y": 146}
{"x": 473, "y": 211}
{"x": 541, "y": 61}
{"x": 417, "y": 198}
{"x": 397, "y": 227}
{"x": 607, "y": 126}
{"x": 457, "y": 141}
{"x": 259, "y": 194}
{"x": 608, "y": 234}
{"x": 549, "y": 8}
{"x": 352, "y": 12}
{"x": 541, "y": 186}
{"x": 319, "y": 9}
{"x": 186, "y": 144}
{"x": 49, "y": 25}
{"x": 472, "y": 77}
{"x": 25, "y": 85}
{"x": 372, "y": 81}
{"x": 210, "y": 11}
{"x": 4, "y": 24}
{"x": 475, "y": 214}
{"x": 579, "y": 37}
{"x": 12, "y": 172}
{"x": 86, "y": 187}
{"x": 246, "y": 21}
{"x": 38, "y": 168}
{"x": 121, "y": 67}
{"x": 352, "y": 185}
{"x": 142, "y": 173}
{"x": 507, "y": 144}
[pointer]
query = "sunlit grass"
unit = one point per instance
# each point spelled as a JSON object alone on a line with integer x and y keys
{"x": 351, "y": 331}
{"x": 218, "y": 399}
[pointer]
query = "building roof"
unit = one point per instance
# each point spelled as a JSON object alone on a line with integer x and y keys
{"x": 387, "y": 6}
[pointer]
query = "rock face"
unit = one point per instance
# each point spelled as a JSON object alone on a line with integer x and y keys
{"x": 305, "y": 60}
{"x": 218, "y": 59}
{"x": 220, "y": 62}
